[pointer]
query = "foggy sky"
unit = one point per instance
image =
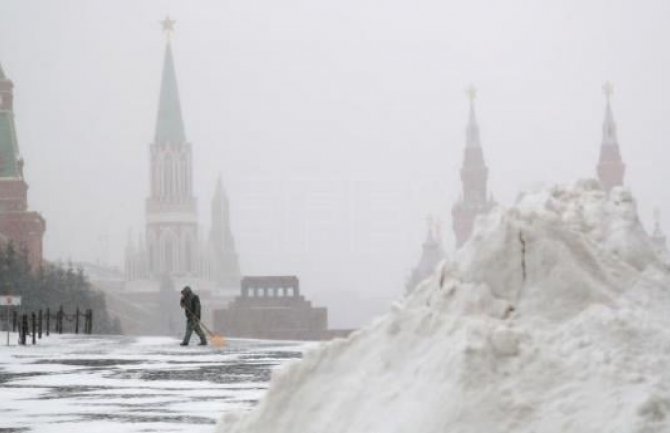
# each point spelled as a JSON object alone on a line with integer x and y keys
{"x": 337, "y": 126}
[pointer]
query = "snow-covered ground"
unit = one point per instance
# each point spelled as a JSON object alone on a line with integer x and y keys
{"x": 69, "y": 384}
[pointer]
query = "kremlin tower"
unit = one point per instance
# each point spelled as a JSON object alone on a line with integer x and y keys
{"x": 171, "y": 215}
{"x": 432, "y": 255}
{"x": 18, "y": 225}
{"x": 610, "y": 167}
{"x": 474, "y": 175}
{"x": 172, "y": 253}
{"x": 225, "y": 267}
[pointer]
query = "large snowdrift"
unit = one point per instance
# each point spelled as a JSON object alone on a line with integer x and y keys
{"x": 554, "y": 317}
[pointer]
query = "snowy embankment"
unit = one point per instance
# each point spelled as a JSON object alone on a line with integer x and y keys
{"x": 555, "y": 317}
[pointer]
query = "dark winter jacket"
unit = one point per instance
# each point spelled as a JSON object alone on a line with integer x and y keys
{"x": 190, "y": 302}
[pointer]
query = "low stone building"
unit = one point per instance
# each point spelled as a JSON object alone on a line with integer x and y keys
{"x": 271, "y": 307}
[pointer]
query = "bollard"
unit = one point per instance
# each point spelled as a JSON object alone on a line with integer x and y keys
{"x": 23, "y": 329}
{"x": 90, "y": 321}
{"x": 34, "y": 325}
{"x": 60, "y": 320}
{"x": 48, "y": 321}
{"x": 76, "y": 322}
{"x": 39, "y": 324}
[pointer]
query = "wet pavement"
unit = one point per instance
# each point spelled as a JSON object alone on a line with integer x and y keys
{"x": 69, "y": 384}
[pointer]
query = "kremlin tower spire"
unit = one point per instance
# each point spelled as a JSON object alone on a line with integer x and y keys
{"x": 173, "y": 253}
{"x": 18, "y": 225}
{"x": 171, "y": 216}
{"x": 172, "y": 247}
{"x": 10, "y": 159}
{"x": 474, "y": 176}
{"x": 226, "y": 266}
{"x": 169, "y": 123}
{"x": 431, "y": 255}
{"x": 610, "y": 167}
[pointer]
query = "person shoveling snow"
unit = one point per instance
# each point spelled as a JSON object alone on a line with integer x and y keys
{"x": 552, "y": 318}
{"x": 190, "y": 302}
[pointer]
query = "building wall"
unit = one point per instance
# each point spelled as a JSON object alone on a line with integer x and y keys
{"x": 272, "y": 307}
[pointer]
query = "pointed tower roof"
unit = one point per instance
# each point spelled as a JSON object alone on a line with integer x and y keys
{"x": 226, "y": 264}
{"x": 169, "y": 124}
{"x": 10, "y": 158}
{"x": 609, "y": 125}
{"x": 610, "y": 168}
{"x": 472, "y": 131}
{"x": 219, "y": 194}
{"x": 221, "y": 217}
{"x": 474, "y": 176}
{"x": 432, "y": 253}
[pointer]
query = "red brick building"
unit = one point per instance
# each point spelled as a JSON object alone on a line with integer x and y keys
{"x": 18, "y": 225}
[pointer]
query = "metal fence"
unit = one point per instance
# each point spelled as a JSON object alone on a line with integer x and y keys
{"x": 43, "y": 322}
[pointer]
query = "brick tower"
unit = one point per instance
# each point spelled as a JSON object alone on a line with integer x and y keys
{"x": 23, "y": 228}
{"x": 610, "y": 167}
{"x": 474, "y": 175}
{"x": 171, "y": 216}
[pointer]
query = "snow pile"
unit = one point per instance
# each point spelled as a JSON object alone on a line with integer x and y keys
{"x": 555, "y": 317}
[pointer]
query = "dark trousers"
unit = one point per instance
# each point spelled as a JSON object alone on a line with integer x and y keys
{"x": 193, "y": 326}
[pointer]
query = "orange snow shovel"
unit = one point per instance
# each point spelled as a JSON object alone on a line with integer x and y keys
{"x": 217, "y": 340}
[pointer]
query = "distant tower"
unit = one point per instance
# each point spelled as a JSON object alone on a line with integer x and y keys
{"x": 224, "y": 262}
{"x": 474, "y": 176}
{"x": 431, "y": 255}
{"x": 610, "y": 168}
{"x": 657, "y": 237}
{"x": 18, "y": 225}
{"x": 171, "y": 216}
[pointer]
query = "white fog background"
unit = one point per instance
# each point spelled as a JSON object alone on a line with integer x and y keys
{"x": 337, "y": 126}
